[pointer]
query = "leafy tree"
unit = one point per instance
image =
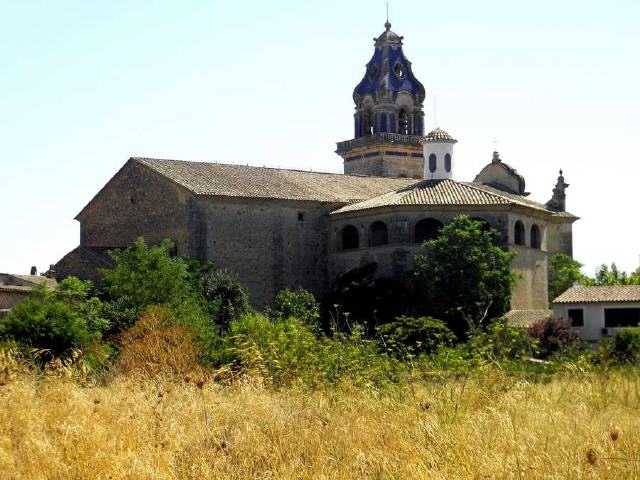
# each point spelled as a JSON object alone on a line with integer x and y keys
{"x": 56, "y": 320}
{"x": 299, "y": 304}
{"x": 230, "y": 298}
{"x": 612, "y": 275}
{"x": 563, "y": 272}
{"x": 464, "y": 276}
{"x": 411, "y": 336}
{"x": 144, "y": 276}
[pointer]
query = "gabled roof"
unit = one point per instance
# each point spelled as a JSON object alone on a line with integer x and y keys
{"x": 218, "y": 179}
{"x": 442, "y": 193}
{"x": 584, "y": 294}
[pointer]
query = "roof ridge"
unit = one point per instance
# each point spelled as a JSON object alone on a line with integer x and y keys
{"x": 280, "y": 169}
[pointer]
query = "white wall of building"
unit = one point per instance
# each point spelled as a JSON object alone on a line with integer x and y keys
{"x": 439, "y": 149}
{"x": 593, "y": 317}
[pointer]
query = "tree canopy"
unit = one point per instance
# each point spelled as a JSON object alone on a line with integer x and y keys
{"x": 464, "y": 276}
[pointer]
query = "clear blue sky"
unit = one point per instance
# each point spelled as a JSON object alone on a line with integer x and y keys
{"x": 87, "y": 84}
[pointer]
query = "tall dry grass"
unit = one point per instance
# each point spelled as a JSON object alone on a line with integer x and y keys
{"x": 576, "y": 426}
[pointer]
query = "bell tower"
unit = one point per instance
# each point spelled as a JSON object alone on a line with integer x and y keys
{"x": 389, "y": 116}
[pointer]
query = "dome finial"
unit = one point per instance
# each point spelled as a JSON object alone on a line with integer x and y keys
{"x": 387, "y": 25}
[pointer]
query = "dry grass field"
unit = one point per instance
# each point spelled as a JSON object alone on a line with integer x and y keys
{"x": 486, "y": 426}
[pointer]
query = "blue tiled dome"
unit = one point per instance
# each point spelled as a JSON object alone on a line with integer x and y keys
{"x": 388, "y": 72}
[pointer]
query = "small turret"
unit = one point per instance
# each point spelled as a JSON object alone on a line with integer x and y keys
{"x": 558, "y": 200}
{"x": 438, "y": 155}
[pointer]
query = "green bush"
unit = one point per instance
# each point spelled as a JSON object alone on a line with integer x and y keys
{"x": 623, "y": 348}
{"x": 228, "y": 296}
{"x": 412, "y": 336}
{"x": 299, "y": 304}
{"x": 143, "y": 276}
{"x": 290, "y": 352}
{"x": 500, "y": 342}
{"x": 57, "y": 320}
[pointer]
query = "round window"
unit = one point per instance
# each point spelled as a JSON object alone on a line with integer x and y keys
{"x": 399, "y": 70}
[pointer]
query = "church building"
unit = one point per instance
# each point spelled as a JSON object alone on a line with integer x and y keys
{"x": 280, "y": 228}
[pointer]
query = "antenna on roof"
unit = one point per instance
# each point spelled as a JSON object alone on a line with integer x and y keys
{"x": 387, "y": 12}
{"x": 495, "y": 144}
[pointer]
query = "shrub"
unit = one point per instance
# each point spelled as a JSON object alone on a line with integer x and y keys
{"x": 299, "y": 304}
{"x": 499, "y": 341}
{"x": 290, "y": 352}
{"x": 408, "y": 335}
{"x": 552, "y": 335}
{"x": 623, "y": 348}
{"x": 143, "y": 276}
{"x": 155, "y": 345}
{"x": 57, "y": 321}
{"x": 229, "y": 297}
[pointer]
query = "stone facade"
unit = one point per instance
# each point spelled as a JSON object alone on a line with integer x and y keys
{"x": 136, "y": 203}
{"x": 269, "y": 244}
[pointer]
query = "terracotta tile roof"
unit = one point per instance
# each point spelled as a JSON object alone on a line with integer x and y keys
{"x": 524, "y": 318}
{"x": 444, "y": 192}
{"x": 618, "y": 293}
{"x": 439, "y": 135}
{"x": 218, "y": 179}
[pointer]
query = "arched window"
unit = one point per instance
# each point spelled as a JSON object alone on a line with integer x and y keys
{"x": 403, "y": 122}
{"x": 367, "y": 123}
{"x": 519, "y": 233}
{"x": 378, "y": 234}
{"x": 447, "y": 162}
{"x": 383, "y": 122}
{"x": 427, "y": 229}
{"x": 350, "y": 237}
{"x": 432, "y": 162}
{"x": 536, "y": 237}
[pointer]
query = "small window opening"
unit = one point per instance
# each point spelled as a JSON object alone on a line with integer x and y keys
{"x": 519, "y": 233}
{"x": 301, "y": 216}
{"x": 447, "y": 162}
{"x": 576, "y": 315}
{"x": 535, "y": 237}
{"x": 379, "y": 234}
{"x": 432, "y": 162}
{"x": 350, "y": 237}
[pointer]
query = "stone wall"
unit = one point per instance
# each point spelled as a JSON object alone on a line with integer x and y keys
{"x": 10, "y": 297}
{"x": 385, "y": 165}
{"x": 270, "y": 244}
{"x": 529, "y": 265}
{"x": 136, "y": 202}
{"x": 560, "y": 238}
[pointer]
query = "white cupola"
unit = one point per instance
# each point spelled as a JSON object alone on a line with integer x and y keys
{"x": 438, "y": 155}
